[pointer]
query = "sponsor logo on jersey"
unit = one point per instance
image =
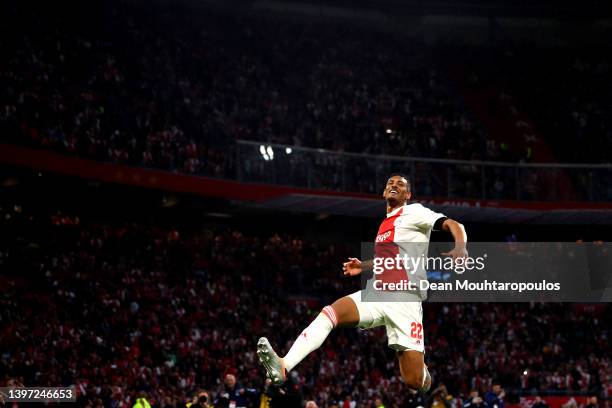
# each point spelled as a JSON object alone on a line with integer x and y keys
{"x": 383, "y": 237}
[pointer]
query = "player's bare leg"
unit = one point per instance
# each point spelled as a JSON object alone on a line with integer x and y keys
{"x": 413, "y": 370}
{"x": 343, "y": 312}
{"x": 347, "y": 312}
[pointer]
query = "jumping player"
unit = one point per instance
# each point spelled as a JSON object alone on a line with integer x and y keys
{"x": 403, "y": 320}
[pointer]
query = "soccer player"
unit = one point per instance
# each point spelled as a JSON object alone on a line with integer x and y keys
{"x": 404, "y": 223}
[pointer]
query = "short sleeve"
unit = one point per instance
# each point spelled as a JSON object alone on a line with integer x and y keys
{"x": 424, "y": 217}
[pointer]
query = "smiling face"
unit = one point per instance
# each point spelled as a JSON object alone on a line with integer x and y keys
{"x": 397, "y": 192}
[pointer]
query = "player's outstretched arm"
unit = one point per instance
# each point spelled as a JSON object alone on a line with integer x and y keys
{"x": 457, "y": 230}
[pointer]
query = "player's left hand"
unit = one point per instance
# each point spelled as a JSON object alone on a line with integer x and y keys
{"x": 458, "y": 252}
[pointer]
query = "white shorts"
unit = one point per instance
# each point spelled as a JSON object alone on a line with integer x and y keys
{"x": 403, "y": 321}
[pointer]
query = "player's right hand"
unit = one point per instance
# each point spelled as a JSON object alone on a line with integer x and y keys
{"x": 352, "y": 267}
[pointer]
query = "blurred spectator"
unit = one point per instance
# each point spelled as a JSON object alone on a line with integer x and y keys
{"x": 539, "y": 403}
{"x": 571, "y": 403}
{"x": 592, "y": 402}
{"x": 141, "y": 401}
{"x": 201, "y": 400}
{"x": 495, "y": 396}
{"x": 266, "y": 397}
{"x": 440, "y": 397}
{"x": 233, "y": 395}
{"x": 474, "y": 401}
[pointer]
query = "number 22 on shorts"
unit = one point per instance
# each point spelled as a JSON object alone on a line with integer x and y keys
{"x": 416, "y": 330}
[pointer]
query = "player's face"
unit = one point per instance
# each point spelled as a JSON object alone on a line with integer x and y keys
{"x": 396, "y": 191}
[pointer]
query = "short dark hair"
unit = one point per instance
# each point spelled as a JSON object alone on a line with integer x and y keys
{"x": 403, "y": 176}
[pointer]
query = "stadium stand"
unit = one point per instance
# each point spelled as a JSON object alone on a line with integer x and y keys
{"x": 163, "y": 88}
{"x": 121, "y": 307}
{"x": 163, "y": 91}
{"x": 160, "y": 91}
{"x": 134, "y": 310}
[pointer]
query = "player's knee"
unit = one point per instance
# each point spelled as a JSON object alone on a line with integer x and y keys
{"x": 330, "y": 313}
{"x": 413, "y": 379}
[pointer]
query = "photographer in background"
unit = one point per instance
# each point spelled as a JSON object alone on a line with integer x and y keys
{"x": 440, "y": 397}
{"x": 234, "y": 396}
{"x": 202, "y": 400}
{"x": 474, "y": 401}
{"x": 495, "y": 397}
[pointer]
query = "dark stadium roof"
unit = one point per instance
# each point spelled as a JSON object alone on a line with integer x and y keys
{"x": 531, "y": 8}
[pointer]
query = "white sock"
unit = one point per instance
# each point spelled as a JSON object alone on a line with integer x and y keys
{"x": 311, "y": 338}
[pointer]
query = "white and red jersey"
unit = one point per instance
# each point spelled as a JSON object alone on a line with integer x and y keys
{"x": 409, "y": 223}
{"x": 406, "y": 231}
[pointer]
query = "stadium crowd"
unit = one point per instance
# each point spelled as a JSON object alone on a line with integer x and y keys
{"x": 564, "y": 91}
{"x": 126, "y": 310}
{"x": 166, "y": 92}
{"x": 175, "y": 89}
